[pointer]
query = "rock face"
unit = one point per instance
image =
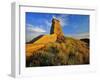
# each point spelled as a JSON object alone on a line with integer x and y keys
{"x": 57, "y": 29}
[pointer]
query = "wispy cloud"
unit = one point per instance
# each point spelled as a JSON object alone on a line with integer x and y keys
{"x": 31, "y": 28}
{"x": 48, "y": 25}
{"x": 36, "y": 29}
{"x": 63, "y": 19}
{"x": 80, "y": 36}
{"x": 33, "y": 31}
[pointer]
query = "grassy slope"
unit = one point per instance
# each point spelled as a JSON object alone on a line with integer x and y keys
{"x": 70, "y": 52}
{"x": 40, "y": 43}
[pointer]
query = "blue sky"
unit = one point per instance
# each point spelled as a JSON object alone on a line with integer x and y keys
{"x": 40, "y": 23}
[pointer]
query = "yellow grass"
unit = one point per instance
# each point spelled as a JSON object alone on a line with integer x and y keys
{"x": 30, "y": 48}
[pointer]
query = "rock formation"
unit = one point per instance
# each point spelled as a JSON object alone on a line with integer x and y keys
{"x": 57, "y": 29}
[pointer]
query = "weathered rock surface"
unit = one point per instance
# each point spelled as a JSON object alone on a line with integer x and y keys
{"x": 57, "y": 29}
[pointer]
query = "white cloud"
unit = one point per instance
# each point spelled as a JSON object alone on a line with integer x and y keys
{"x": 30, "y": 36}
{"x": 80, "y": 35}
{"x": 83, "y": 35}
{"x": 33, "y": 31}
{"x": 37, "y": 29}
{"x": 63, "y": 19}
{"x": 48, "y": 25}
{"x": 31, "y": 28}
